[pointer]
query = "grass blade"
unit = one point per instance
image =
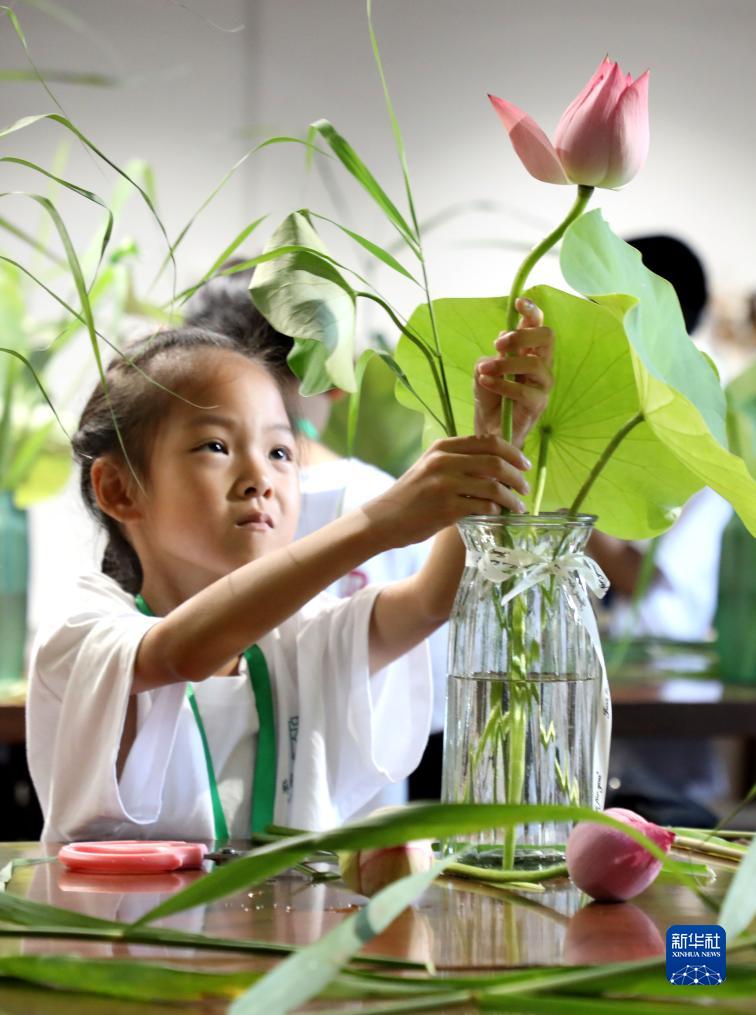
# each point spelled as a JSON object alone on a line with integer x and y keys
{"x": 31, "y": 241}
{"x": 40, "y": 385}
{"x": 357, "y": 168}
{"x": 136, "y": 981}
{"x": 28, "y": 121}
{"x": 398, "y": 140}
{"x": 304, "y": 975}
{"x": 88, "y": 194}
{"x": 62, "y": 77}
{"x": 379, "y": 252}
{"x": 172, "y": 247}
{"x": 222, "y": 258}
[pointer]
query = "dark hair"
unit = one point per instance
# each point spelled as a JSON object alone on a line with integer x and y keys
{"x": 675, "y": 261}
{"x": 136, "y": 400}
{"x": 224, "y": 304}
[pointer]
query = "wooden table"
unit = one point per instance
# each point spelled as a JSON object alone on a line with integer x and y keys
{"x": 459, "y": 926}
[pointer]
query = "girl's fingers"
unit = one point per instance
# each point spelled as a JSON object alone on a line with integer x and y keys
{"x": 528, "y": 395}
{"x": 490, "y": 444}
{"x": 489, "y": 468}
{"x": 532, "y": 316}
{"x": 490, "y": 492}
{"x": 538, "y": 341}
{"x": 531, "y": 367}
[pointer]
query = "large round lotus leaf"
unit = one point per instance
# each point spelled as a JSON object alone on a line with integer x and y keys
{"x": 644, "y": 484}
{"x": 678, "y": 390}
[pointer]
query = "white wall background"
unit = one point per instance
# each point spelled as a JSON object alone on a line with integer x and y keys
{"x": 193, "y": 97}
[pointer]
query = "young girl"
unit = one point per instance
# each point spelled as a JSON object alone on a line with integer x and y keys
{"x": 201, "y": 686}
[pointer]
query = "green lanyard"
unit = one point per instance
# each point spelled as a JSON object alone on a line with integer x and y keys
{"x": 264, "y": 779}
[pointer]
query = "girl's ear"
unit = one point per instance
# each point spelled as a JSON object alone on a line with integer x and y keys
{"x": 115, "y": 489}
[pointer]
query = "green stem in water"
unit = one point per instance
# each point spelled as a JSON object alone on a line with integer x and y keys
{"x": 541, "y": 469}
{"x": 582, "y": 199}
{"x": 605, "y": 456}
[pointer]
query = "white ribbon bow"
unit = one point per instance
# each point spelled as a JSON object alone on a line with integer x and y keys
{"x": 498, "y": 564}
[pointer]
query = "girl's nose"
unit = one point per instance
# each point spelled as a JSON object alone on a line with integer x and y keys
{"x": 255, "y": 482}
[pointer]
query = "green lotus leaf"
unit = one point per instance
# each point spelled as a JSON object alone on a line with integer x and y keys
{"x": 599, "y": 265}
{"x": 640, "y": 491}
{"x": 305, "y": 297}
{"x": 682, "y": 428}
{"x": 741, "y": 416}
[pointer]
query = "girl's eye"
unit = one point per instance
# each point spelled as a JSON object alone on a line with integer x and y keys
{"x": 217, "y": 447}
{"x": 282, "y": 454}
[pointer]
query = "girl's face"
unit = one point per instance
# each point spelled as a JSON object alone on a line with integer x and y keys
{"x": 222, "y": 486}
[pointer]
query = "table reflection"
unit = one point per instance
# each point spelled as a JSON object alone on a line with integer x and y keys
{"x": 455, "y": 925}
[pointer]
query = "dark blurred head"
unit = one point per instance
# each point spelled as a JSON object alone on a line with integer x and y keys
{"x": 223, "y": 305}
{"x": 675, "y": 261}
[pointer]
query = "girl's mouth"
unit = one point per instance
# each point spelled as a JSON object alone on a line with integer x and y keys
{"x": 258, "y": 521}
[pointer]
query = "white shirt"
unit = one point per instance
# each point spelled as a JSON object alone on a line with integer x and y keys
{"x": 681, "y": 601}
{"x": 330, "y": 489}
{"x": 341, "y": 734}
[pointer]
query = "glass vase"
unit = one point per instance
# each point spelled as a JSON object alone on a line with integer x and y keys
{"x": 527, "y": 712}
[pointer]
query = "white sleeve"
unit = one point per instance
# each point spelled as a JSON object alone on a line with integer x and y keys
{"x": 80, "y": 682}
{"x": 681, "y": 601}
{"x": 356, "y": 732}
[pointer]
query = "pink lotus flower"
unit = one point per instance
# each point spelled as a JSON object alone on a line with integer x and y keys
{"x": 601, "y": 139}
{"x": 610, "y": 866}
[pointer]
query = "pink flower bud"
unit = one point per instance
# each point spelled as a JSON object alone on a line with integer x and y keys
{"x": 610, "y": 866}
{"x": 369, "y": 870}
{"x": 601, "y": 139}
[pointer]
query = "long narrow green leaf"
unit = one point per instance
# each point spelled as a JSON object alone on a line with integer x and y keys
{"x": 747, "y": 799}
{"x": 415, "y": 821}
{"x": 10, "y": 13}
{"x": 405, "y": 381}
{"x": 64, "y": 16}
{"x": 357, "y": 168}
{"x": 639, "y": 976}
{"x": 64, "y": 77}
{"x": 40, "y": 385}
{"x": 272, "y": 255}
{"x": 222, "y": 258}
{"x": 80, "y": 317}
{"x": 86, "y": 308}
{"x": 372, "y": 248}
{"x": 87, "y": 194}
{"x": 304, "y": 975}
{"x": 34, "y": 243}
{"x": 172, "y": 247}
{"x": 137, "y": 981}
{"x": 395, "y": 129}
{"x": 28, "y": 121}
{"x": 739, "y": 904}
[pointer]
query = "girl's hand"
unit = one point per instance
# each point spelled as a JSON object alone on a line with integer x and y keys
{"x": 521, "y": 371}
{"x": 456, "y": 476}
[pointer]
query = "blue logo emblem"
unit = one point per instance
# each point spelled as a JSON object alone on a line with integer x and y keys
{"x": 696, "y": 954}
